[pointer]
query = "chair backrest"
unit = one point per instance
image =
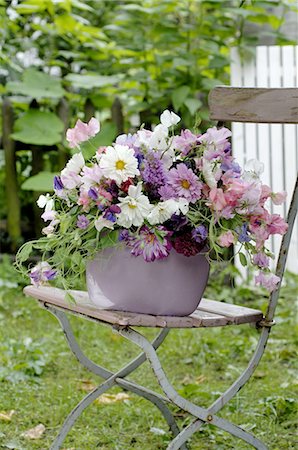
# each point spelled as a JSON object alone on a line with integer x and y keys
{"x": 261, "y": 105}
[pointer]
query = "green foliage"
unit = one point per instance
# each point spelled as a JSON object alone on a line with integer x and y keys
{"x": 39, "y": 128}
{"x": 37, "y": 85}
{"x": 42, "y": 182}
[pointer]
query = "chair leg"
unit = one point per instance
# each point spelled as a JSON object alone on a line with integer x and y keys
{"x": 111, "y": 379}
{"x": 204, "y": 415}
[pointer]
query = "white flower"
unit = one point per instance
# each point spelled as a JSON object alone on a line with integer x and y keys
{"x": 183, "y": 206}
{"x": 49, "y": 230}
{"x": 134, "y": 207}
{"x": 45, "y": 201}
{"x": 163, "y": 211}
{"x": 70, "y": 174}
{"x": 103, "y": 223}
{"x": 209, "y": 176}
{"x": 119, "y": 163}
{"x": 252, "y": 170}
{"x": 169, "y": 118}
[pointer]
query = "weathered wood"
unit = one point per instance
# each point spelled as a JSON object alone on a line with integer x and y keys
{"x": 255, "y": 105}
{"x": 209, "y": 313}
{"x": 11, "y": 182}
{"x": 117, "y": 115}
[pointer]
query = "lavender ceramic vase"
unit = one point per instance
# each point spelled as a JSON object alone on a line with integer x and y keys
{"x": 172, "y": 286}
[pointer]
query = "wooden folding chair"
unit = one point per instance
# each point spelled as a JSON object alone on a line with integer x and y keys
{"x": 226, "y": 104}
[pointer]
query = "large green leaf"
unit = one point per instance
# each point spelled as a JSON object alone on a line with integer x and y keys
{"x": 193, "y": 104}
{"x": 37, "y": 85}
{"x": 91, "y": 80}
{"x": 42, "y": 182}
{"x": 39, "y": 128}
{"x": 179, "y": 95}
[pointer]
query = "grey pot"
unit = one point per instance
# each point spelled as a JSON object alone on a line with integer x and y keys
{"x": 172, "y": 286}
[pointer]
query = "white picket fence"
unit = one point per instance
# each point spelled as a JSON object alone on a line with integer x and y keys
{"x": 274, "y": 145}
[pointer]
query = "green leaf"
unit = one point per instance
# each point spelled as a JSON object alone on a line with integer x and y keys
{"x": 179, "y": 95}
{"x": 243, "y": 259}
{"x": 193, "y": 104}
{"x": 24, "y": 252}
{"x": 39, "y": 128}
{"x": 91, "y": 80}
{"x": 37, "y": 85}
{"x": 42, "y": 182}
{"x": 70, "y": 298}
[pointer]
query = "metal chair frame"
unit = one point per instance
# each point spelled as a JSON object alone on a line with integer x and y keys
{"x": 200, "y": 415}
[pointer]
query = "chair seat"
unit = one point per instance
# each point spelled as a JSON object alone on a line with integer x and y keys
{"x": 209, "y": 313}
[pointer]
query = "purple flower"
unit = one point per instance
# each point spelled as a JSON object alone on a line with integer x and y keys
{"x": 199, "y": 234}
{"x": 154, "y": 174}
{"x": 150, "y": 244}
{"x": 267, "y": 280}
{"x": 82, "y": 222}
{"x": 177, "y": 222}
{"x": 93, "y": 193}
{"x": 185, "y": 183}
{"x": 58, "y": 185}
{"x": 110, "y": 213}
{"x": 185, "y": 141}
{"x": 42, "y": 273}
{"x": 166, "y": 192}
{"x": 261, "y": 260}
{"x": 243, "y": 233}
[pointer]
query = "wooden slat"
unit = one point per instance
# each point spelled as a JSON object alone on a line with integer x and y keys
{"x": 256, "y": 105}
{"x": 208, "y": 314}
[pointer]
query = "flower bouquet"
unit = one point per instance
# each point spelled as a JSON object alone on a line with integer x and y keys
{"x": 154, "y": 193}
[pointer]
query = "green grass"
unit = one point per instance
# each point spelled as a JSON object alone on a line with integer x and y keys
{"x": 42, "y": 381}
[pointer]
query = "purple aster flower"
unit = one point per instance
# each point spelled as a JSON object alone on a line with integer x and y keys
{"x": 151, "y": 246}
{"x": 42, "y": 273}
{"x": 110, "y": 213}
{"x": 93, "y": 193}
{"x": 166, "y": 192}
{"x": 82, "y": 222}
{"x": 154, "y": 173}
{"x": 199, "y": 234}
{"x": 58, "y": 185}
{"x": 185, "y": 183}
{"x": 243, "y": 233}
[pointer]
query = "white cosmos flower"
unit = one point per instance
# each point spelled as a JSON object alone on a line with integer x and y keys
{"x": 119, "y": 163}
{"x": 169, "y": 118}
{"x": 45, "y": 201}
{"x": 163, "y": 211}
{"x": 101, "y": 223}
{"x": 70, "y": 174}
{"x": 134, "y": 207}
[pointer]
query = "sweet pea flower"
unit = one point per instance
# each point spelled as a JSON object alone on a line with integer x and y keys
{"x": 82, "y": 132}
{"x": 101, "y": 223}
{"x": 184, "y": 142}
{"x": 42, "y": 273}
{"x": 45, "y": 201}
{"x": 226, "y": 239}
{"x": 277, "y": 225}
{"x": 278, "y": 198}
{"x": 217, "y": 197}
{"x": 169, "y": 118}
{"x": 261, "y": 260}
{"x": 267, "y": 280}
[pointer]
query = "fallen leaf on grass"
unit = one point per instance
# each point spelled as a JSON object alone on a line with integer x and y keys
{"x": 106, "y": 399}
{"x": 6, "y": 416}
{"x": 34, "y": 433}
{"x": 86, "y": 385}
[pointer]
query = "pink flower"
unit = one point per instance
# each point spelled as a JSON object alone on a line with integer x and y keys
{"x": 277, "y": 225}
{"x": 261, "y": 260}
{"x": 267, "y": 280}
{"x": 82, "y": 132}
{"x": 184, "y": 142}
{"x": 226, "y": 239}
{"x": 279, "y": 197}
{"x": 218, "y": 201}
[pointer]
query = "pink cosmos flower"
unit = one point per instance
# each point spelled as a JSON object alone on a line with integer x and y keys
{"x": 185, "y": 183}
{"x": 226, "y": 239}
{"x": 267, "y": 280}
{"x": 82, "y": 132}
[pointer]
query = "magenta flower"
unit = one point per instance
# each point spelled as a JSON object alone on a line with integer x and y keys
{"x": 82, "y": 132}
{"x": 267, "y": 280}
{"x": 185, "y": 183}
{"x": 151, "y": 246}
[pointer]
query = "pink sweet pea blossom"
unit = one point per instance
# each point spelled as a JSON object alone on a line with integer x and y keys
{"x": 277, "y": 225}
{"x": 278, "y": 197}
{"x": 82, "y": 132}
{"x": 218, "y": 201}
{"x": 226, "y": 239}
{"x": 267, "y": 280}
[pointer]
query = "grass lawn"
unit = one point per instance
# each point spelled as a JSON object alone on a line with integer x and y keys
{"x": 41, "y": 381}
